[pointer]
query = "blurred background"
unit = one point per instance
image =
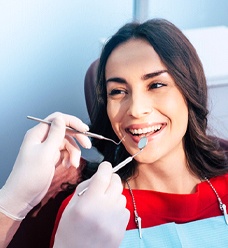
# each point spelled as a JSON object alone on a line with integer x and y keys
{"x": 47, "y": 46}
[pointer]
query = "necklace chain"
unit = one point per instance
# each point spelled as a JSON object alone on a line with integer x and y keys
{"x": 138, "y": 220}
{"x": 222, "y": 206}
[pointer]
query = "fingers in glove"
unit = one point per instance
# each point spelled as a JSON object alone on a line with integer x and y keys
{"x": 70, "y": 152}
{"x": 76, "y": 123}
{"x": 101, "y": 179}
{"x": 56, "y": 134}
{"x": 81, "y": 186}
{"x": 115, "y": 187}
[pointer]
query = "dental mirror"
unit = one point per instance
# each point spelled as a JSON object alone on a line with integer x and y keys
{"x": 143, "y": 142}
{"x": 141, "y": 145}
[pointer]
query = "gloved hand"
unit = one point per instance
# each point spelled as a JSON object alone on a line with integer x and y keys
{"x": 99, "y": 217}
{"x": 44, "y": 147}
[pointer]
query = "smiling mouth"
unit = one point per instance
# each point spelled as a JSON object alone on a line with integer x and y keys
{"x": 145, "y": 131}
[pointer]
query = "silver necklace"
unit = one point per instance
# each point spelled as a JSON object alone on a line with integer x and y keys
{"x": 222, "y": 206}
{"x": 138, "y": 219}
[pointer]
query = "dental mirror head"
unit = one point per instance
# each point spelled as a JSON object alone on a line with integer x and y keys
{"x": 143, "y": 142}
{"x": 141, "y": 145}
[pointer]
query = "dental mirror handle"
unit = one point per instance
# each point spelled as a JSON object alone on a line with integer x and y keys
{"x": 123, "y": 163}
{"x": 120, "y": 165}
{"x": 116, "y": 168}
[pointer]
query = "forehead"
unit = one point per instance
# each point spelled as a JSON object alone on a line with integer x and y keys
{"x": 134, "y": 54}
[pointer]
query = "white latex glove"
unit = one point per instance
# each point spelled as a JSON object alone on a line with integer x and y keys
{"x": 43, "y": 149}
{"x": 99, "y": 217}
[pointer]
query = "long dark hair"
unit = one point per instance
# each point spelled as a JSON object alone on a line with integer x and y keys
{"x": 204, "y": 156}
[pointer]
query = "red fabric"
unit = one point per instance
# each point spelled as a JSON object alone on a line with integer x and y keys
{"x": 156, "y": 208}
{"x": 58, "y": 217}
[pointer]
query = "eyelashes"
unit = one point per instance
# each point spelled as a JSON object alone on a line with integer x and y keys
{"x": 156, "y": 85}
{"x": 117, "y": 92}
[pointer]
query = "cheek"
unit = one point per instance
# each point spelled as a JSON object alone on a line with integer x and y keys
{"x": 178, "y": 108}
{"x": 175, "y": 108}
{"x": 115, "y": 113}
{"x": 179, "y": 112}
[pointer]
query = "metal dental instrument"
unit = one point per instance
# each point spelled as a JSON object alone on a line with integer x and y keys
{"x": 93, "y": 135}
{"x": 141, "y": 145}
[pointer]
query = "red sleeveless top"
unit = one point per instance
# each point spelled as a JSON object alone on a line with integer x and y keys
{"x": 156, "y": 208}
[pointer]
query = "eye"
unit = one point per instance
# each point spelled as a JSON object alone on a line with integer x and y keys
{"x": 156, "y": 85}
{"x": 115, "y": 92}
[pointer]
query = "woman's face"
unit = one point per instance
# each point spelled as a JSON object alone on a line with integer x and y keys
{"x": 143, "y": 100}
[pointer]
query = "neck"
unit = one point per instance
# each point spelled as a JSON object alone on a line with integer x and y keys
{"x": 171, "y": 177}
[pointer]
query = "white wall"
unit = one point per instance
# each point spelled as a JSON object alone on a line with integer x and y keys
{"x": 45, "y": 50}
{"x": 188, "y": 14}
{"x": 211, "y": 44}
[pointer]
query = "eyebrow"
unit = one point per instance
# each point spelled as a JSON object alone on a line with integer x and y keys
{"x": 153, "y": 74}
{"x": 144, "y": 77}
{"x": 116, "y": 79}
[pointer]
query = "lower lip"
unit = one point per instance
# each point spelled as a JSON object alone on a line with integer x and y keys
{"x": 152, "y": 136}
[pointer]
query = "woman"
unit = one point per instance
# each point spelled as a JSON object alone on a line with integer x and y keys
{"x": 150, "y": 82}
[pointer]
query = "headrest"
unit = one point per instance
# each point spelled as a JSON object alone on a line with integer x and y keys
{"x": 89, "y": 85}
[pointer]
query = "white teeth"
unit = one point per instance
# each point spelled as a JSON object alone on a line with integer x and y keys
{"x": 145, "y": 130}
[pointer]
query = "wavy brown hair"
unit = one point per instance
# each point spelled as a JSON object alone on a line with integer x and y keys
{"x": 204, "y": 155}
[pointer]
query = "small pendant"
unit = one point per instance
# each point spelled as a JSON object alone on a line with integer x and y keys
{"x": 138, "y": 222}
{"x": 223, "y": 207}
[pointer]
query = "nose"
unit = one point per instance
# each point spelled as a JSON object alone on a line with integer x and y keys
{"x": 139, "y": 106}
